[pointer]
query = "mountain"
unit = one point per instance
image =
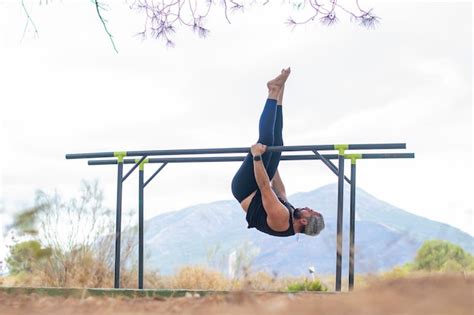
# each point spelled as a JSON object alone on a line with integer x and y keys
{"x": 207, "y": 233}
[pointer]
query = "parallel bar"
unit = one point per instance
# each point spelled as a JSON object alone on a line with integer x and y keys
{"x": 374, "y": 146}
{"x": 154, "y": 174}
{"x": 388, "y": 155}
{"x": 141, "y": 187}
{"x": 331, "y": 165}
{"x": 352, "y": 226}
{"x": 118, "y": 226}
{"x": 241, "y": 158}
{"x": 340, "y": 205}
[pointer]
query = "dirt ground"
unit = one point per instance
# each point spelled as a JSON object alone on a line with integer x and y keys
{"x": 450, "y": 295}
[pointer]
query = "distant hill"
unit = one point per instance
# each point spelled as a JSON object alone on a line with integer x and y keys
{"x": 385, "y": 236}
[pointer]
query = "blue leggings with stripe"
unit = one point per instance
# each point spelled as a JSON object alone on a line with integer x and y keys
{"x": 270, "y": 134}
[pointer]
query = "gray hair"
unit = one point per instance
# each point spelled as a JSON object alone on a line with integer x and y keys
{"x": 315, "y": 225}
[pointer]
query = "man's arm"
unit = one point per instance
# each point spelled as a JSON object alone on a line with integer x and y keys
{"x": 276, "y": 211}
{"x": 278, "y": 186}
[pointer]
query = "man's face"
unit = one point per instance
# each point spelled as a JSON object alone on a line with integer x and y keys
{"x": 308, "y": 212}
{"x": 307, "y": 215}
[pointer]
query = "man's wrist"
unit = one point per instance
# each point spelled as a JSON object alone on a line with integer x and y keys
{"x": 257, "y": 157}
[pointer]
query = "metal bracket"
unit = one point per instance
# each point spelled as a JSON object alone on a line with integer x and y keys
{"x": 331, "y": 165}
{"x": 134, "y": 167}
{"x": 154, "y": 174}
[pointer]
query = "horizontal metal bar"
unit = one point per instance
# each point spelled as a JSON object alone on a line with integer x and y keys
{"x": 388, "y": 156}
{"x": 326, "y": 147}
{"x": 241, "y": 158}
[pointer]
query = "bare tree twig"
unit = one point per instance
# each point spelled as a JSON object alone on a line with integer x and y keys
{"x": 28, "y": 21}
{"x": 161, "y": 16}
{"x": 99, "y": 7}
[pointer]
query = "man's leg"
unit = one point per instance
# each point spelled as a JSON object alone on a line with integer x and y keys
{"x": 278, "y": 137}
{"x": 244, "y": 183}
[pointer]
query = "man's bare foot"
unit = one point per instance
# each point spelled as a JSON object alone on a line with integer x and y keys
{"x": 279, "y": 81}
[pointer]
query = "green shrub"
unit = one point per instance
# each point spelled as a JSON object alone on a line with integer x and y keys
{"x": 437, "y": 255}
{"x": 314, "y": 285}
{"x": 25, "y": 255}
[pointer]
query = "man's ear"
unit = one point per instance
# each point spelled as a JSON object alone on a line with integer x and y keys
{"x": 304, "y": 221}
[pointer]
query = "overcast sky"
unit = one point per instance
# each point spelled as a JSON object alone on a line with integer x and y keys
{"x": 410, "y": 80}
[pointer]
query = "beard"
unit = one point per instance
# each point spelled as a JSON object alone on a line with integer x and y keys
{"x": 297, "y": 213}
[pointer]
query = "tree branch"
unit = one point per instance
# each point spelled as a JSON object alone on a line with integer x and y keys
{"x": 99, "y": 7}
{"x": 161, "y": 16}
{"x": 28, "y": 20}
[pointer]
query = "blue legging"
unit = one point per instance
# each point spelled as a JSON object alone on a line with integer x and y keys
{"x": 270, "y": 134}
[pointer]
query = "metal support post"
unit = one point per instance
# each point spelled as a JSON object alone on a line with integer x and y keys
{"x": 118, "y": 222}
{"x": 340, "y": 205}
{"x": 352, "y": 225}
{"x": 141, "y": 187}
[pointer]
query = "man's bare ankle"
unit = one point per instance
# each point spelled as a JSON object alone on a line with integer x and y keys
{"x": 273, "y": 94}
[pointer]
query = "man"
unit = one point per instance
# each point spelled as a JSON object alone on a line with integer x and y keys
{"x": 257, "y": 185}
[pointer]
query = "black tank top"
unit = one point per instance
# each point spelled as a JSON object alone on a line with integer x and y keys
{"x": 257, "y": 217}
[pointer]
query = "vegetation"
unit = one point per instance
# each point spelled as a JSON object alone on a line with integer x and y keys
{"x": 26, "y": 256}
{"x": 163, "y": 18}
{"x": 442, "y": 256}
{"x": 306, "y": 285}
{"x": 197, "y": 277}
{"x": 435, "y": 256}
{"x": 67, "y": 243}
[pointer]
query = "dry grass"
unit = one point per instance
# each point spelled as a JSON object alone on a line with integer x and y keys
{"x": 195, "y": 277}
{"x": 87, "y": 271}
{"x": 189, "y": 277}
